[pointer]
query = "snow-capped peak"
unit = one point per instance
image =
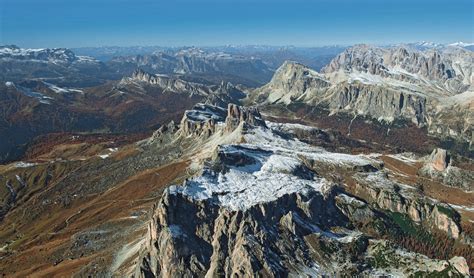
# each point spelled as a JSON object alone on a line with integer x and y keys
{"x": 461, "y": 44}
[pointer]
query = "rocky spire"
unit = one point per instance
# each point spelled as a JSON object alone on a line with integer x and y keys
{"x": 237, "y": 115}
{"x": 141, "y": 75}
{"x": 439, "y": 159}
{"x": 201, "y": 120}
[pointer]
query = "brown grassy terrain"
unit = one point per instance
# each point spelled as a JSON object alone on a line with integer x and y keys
{"x": 54, "y": 145}
{"x": 35, "y": 245}
{"x": 407, "y": 173}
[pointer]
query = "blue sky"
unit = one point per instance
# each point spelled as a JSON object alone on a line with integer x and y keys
{"x": 75, "y": 23}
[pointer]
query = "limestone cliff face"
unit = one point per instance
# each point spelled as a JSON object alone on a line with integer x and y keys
{"x": 237, "y": 115}
{"x": 194, "y": 61}
{"x": 429, "y": 88}
{"x": 439, "y": 159}
{"x": 169, "y": 83}
{"x": 205, "y": 119}
{"x": 379, "y": 190}
{"x": 406, "y": 64}
{"x": 289, "y": 236}
{"x": 361, "y": 57}
{"x": 201, "y": 120}
{"x": 293, "y": 81}
{"x": 213, "y": 241}
{"x": 217, "y": 95}
{"x": 378, "y": 102}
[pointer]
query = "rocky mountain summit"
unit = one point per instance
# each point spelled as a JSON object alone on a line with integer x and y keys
{"x": 263, "y": 203}
{"x": 428, "y": 88}
{"x": 452, "y": 66}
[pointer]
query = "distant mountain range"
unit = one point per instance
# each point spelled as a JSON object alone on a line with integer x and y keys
{"x": 61, "y": 66}
{"x": 106, "y": 53}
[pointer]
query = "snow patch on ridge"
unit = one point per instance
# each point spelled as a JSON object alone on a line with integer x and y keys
{"x": 263, "y": 170}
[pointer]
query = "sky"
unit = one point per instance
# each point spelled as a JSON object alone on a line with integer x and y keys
{"x": 79, "y": 23}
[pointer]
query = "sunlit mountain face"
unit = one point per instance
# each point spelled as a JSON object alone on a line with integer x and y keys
{"x": 254, "y": 139}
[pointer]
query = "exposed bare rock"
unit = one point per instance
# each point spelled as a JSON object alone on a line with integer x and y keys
{"x": 454, "y": 117}
{"x": 165, "y": 130}
{"x": 193, "y": 62}
{"x": 453, "y": 64}
{"x": 201, "y": 120}
{"x": 439, "y": 159}
{"x": 381, "y": 103}
{"x": 291, "y": 82}
{"x": 438, "y": 166}
{"x": 429, "y": 88}
{"x": 263, "y": 208}
{"x": 237, "y": 115}
{"x": 388, "y": 256}
{"x": 217, "y": 95}
{"x": 386, "y": 194}
{"x": 169, "y": 83}
{"x": 361, "y": 58}
{"x": 224, "y": 94}
{"x": 460, "y": 264}
{"x": 355, "y": 209}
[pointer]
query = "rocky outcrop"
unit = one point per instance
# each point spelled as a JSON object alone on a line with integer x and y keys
{"x": 169, "y": 83}
{"x": 377, "y": 189}
{"x": 55, "y": 65}
{"x": 216, "y": 95}
{"x": 291, "y": 82}
{"x": 356, "y": 210}
{"x": 460, "y": 264}
{"x": 385, "y": 255}
{"x": 201, "y": 120}
{"x": 57, "y": 55}
{"x": 237, "y": 115}
{"x": 217, "y": 242}
{"x": 439, "y": 159}
{"x": 195, "y": 232}
{"x": 438, "y": 166}
{"x": 224, "y": 94}
{"x": 167, "y": 130}
{"x": 378, "y": 102}
{"x": 361, "y": 57}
